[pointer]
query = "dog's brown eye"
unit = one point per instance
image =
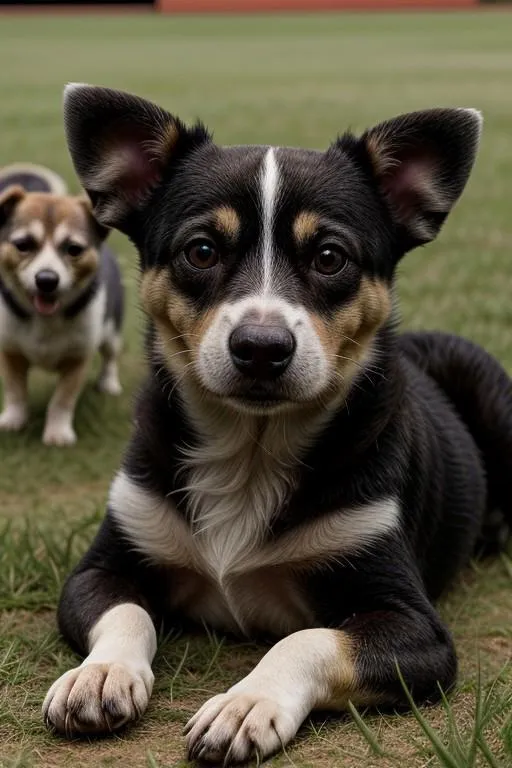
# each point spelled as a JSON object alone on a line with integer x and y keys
{"x": 329, "y": 261}
{"x": 74, "y": 250}
{"x": 202, "y": 254}
{"x": 24, "y": 244}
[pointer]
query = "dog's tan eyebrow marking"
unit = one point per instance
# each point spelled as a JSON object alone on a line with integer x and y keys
{"x": 34, "y": 229}
{"x": 305, "y": 226}
{"x": 227, "y": 221}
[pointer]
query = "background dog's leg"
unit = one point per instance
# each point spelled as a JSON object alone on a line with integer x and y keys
{"x": 322, "y": 669}
{"x": 103, "y": 615}
{"x": 14, "y": 369}
{"x": 59, "y": 418}
{"x": 108, "y": 380}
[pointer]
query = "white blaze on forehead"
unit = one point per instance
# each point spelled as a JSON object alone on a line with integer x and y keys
{"x": 269, "y": 193}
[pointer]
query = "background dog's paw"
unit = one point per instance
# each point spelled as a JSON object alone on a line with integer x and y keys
{"x": 13, "y": 418}
{"x": 59, "y": 434}
{"x": 110, "y": 386}
{"x": 235, "y": 727}
{"x": 96, "y": 699}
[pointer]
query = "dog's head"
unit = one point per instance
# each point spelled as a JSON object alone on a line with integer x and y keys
{"x": 48, "y": 248}
{"x": 267, "y": 271}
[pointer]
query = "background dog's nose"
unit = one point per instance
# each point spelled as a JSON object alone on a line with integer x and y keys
{"x": 261, "y": 351}
{"x": 47, "y": 280}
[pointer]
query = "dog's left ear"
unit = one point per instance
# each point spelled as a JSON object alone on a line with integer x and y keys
{"x": 9, "y": 199}
{"x": 422, "y": 162}
{"x": 121, "y": 147}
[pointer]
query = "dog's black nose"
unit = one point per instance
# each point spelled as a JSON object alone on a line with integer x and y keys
{"x": 261, "y": 351}
{"x": 47, "y": 281}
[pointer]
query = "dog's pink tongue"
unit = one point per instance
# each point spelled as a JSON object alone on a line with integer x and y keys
{"x": 45, "y": 307}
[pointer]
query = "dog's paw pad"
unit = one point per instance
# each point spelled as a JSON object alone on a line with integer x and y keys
{"x": 96, "y": 699}
{"x": 12, "y": 419}
{"x": 233, "y": 728}
{"x": 59, "y": 434}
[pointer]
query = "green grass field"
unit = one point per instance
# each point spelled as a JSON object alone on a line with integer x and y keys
{"x": 294, "y": 80}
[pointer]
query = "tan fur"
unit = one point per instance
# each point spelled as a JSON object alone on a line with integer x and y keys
{"x": 347, "y": 336}
{"x": 227, "y": 221}
{"x": 180, "y": 328}
{"x": 58, "y": 428}
{"x": 305, "y": 226}
{"x": 60, "y": 219}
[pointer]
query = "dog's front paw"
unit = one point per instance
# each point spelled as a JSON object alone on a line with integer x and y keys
{"x": 13, "y": 418}
{"x": 242, "y": 724}
{"x": 97, "y": 699}
{"x": 59, "y": 433}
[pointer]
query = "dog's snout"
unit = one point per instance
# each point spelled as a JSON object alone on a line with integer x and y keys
{"x": 46, "y": 280}
{"x": 261, "y": 351}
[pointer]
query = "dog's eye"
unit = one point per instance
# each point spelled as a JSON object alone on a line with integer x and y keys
{"x": 74, "y": 250}
{"x": 25, "y": 244}
{"x": 202, "y": 254}
{"x": 329, "y": 261}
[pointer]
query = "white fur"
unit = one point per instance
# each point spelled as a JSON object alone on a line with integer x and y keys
{"x": 47, "y": 341}
{"x": 116, "y": 674}
{"x": 308, "y": 373}
{"x": 269, "y": 192}
{"x": 233, "y": 500}
{"x": 264, "y": 711}
{"x": 47, "y": 258}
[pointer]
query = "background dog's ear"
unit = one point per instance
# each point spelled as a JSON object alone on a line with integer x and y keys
{"x": 100, "y": 231}
{"x": 9, "y": 199}
{"x": 422, "y": 162}
{"x": 121, "y": 146}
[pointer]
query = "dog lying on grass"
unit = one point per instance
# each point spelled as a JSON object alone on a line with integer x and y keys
{"x": 298, "y": 469}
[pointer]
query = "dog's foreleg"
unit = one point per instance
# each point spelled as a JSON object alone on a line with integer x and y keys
{"x": 59, "y": 418}
{"x": 14, "y": 369}
{"x": 102, "y": 614}
{"x": 321, "y": 669}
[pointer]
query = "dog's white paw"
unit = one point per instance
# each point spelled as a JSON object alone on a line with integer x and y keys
{"x": 242, "y": 724}
{"x": 97, "y": 698}
{"x": 59, "y": 433}
{"x": 110, "y": 385}
{"x": 13, "y": 418}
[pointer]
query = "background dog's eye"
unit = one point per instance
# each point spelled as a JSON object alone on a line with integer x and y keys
{"x": 25, "y": 244}
{"x": 329, "y": 261}
{"x": 202, "y": 254}
{"x": 74, "y": 250}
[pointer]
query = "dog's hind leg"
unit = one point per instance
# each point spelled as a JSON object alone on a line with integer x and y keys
{"x": 103, "y": 614}
{"x": 108, "y": 380}
{"x": 481, "y": 391}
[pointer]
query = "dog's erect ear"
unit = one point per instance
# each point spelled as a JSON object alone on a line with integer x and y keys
{"x": 121, "y": 145}
{"x": 422, "y": 162}
{"x": 9, "y": 199}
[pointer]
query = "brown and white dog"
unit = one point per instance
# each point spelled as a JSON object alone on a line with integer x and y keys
{"x": 61, "y": 297}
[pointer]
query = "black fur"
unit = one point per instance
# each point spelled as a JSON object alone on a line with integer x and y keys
{"x": 429, "y": 422}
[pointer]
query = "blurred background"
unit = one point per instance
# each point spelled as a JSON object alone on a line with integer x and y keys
{"x": 283, "y": 72}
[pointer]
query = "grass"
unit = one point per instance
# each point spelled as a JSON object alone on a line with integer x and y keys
{"x": 293, "y": 80}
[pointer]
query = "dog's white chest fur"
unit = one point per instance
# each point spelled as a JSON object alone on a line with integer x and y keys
{"x": 229, "y": 572}
{"x": 47, "y": 341}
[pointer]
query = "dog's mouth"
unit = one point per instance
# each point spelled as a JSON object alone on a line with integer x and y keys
{"x": 45, "y": 305}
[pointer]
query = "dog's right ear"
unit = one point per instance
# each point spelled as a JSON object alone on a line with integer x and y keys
{"x": 9, "y": 199}
{"x": 121, "y": 147}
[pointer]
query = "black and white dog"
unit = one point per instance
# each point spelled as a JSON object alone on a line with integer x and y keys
{"x": 297, "y": 470}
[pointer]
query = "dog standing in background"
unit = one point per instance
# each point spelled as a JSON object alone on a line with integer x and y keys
{"x": 299, "y": 470}
{"x": 61, "y": 297}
